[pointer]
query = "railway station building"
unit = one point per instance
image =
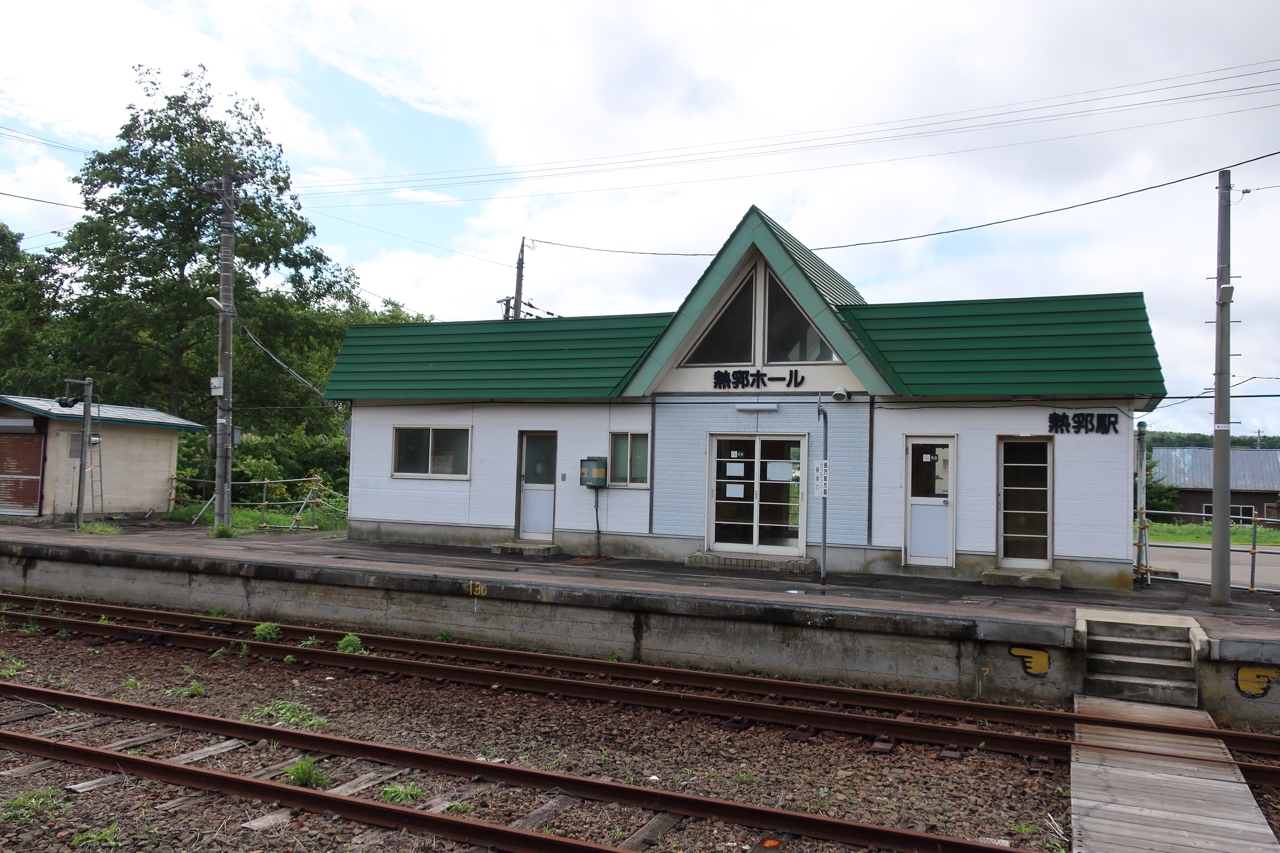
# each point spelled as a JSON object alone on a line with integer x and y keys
{"x": 986, "y": 440}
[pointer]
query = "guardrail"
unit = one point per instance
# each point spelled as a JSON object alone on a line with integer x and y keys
{"x": 312, "y": 499}
{"x": 1143, "y": 544}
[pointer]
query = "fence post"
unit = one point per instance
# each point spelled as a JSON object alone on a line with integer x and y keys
{"x": 315, "y": 496}
{"x": 1253, "y": 554}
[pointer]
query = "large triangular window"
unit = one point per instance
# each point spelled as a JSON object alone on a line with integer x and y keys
{"x": 729, "y": 340}
{"x": 789, "y": 336}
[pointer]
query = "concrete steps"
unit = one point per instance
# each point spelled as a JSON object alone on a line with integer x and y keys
{"x": 527, "y": 548}
{"x": 1141, "y": 662}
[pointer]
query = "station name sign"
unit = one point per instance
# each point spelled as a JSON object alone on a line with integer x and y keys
{"x": 732, "y": 379}
{"x": 1100, "y": 423}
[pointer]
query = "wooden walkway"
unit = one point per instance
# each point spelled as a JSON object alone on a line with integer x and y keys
{"x": 1158, "y": 803}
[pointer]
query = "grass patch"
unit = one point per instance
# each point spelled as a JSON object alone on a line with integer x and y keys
{"x": 305, "y": 774}
{"x": 401, "y": 794}
{"x": 222, "y": 531}
{"x": 109, "y": 837}
{"x": 40, "y": 804}
{"x": 191, "y": 691}
{"x": 99, "y": 528}
{"x": 267, "y": 632}
{"x": 351, "y": 645}
{"x": 246, "y": 518}
{"x": 1241, "y": 534}
{"x": 460, "y": 808}
{"x": 290, "y": 713}
{"x": 9, "y": 667}
{"x": 217, "y": 613}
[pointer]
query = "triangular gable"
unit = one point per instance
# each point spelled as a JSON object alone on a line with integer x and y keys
{"x": 815, "y": 286}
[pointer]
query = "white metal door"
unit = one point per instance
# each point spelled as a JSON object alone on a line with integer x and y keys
{"x": 537, "y": 485}
{"x": 930, "y": 511}
{"x": 757, "y": 494}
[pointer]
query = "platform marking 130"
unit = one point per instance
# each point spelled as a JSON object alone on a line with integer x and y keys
{"x": 476, "y": 588}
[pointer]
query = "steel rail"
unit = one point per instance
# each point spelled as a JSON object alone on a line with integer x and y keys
{"x": 815, "y": 719}
{"x": 634, "y": 796}
{"x": 351, "y": 808}
{"x": 1063, "y": 721}
{"x": 762, "y": 712}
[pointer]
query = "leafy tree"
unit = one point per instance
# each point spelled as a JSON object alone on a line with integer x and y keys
{"x": 29, "y": 328}
{"x": 144, "y": 257}
{"x": 123, "y": 299}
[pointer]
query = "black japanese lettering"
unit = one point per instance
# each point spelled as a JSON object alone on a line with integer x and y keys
{"x": 720, "y": 379}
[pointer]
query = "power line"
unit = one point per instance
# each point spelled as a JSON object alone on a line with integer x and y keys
{"x": 900, "y": 134}
{"x": 411, "y": 239}
{"x": 622, "y": 157}
{"x": 30, "y": 138}
{"x": 43, "y": 201}
{"x": 949, "y": 230}
{"x": 804, "y": 170}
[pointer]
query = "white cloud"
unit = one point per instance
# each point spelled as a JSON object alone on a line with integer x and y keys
{"x": 548, "y": 82}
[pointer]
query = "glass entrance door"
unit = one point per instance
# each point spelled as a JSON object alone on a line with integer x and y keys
{"x": 537, "y": 485}
{"x": 930, "y": 539}
{"x": 1026, "y": 504}
{"x": 757, "y": 494}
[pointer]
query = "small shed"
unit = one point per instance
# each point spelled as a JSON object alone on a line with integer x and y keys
{"x": 135, "y": 454}
{"x": 1255, "y": 479}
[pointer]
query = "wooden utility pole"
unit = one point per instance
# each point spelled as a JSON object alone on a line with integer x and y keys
{"x": 519, "y": 282}
{"x": 1220, "y": 573}
{"x": 226, "y": 315}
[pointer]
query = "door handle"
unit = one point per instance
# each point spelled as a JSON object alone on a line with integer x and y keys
{"x": 946, "y": 502}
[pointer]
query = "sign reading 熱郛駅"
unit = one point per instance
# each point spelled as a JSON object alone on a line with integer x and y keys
{"x": 1100, "y": 423}
{"x": 734, "y": 379}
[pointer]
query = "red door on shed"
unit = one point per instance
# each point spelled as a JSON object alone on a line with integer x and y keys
{"x": 21, "y": 460}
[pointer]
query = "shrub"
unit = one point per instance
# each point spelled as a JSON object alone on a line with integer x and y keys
{"x": 268, "y": 632}
{"x": 305, "y": 774}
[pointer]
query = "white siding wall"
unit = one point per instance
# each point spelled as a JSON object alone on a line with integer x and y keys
{"x": 681, "y": 450}
{"x": 1093, "y": 475}
{"x": 488, "y": 498}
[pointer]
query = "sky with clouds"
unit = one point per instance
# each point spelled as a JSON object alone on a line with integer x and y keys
{"x": 426, "y": 139}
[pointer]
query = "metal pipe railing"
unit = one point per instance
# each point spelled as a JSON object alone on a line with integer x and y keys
{"x": 1142, "y": 516}
{"x": 311, "y": 499}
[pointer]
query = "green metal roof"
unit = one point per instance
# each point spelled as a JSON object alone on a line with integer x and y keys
{"x": 1095, "y": 345}
{"x": 835, "y": 287}
{"x": 554, "y": 358}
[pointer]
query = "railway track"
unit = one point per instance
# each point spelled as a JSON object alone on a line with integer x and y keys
{"x": 668, "y": 807}
{"x": 847, "y": 710}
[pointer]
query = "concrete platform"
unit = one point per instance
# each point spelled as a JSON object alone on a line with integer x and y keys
{"x": 910, "y": 634}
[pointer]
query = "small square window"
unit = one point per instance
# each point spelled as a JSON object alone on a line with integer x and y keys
{"x": 629, "y": 459}
{"x": 432, "y": 451}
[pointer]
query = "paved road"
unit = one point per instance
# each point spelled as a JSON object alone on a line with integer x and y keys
{"x": 1194, "y": 565}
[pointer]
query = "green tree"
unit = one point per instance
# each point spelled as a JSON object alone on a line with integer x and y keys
{"x": 144, "y": 257}
{"x": 29, "y": 320}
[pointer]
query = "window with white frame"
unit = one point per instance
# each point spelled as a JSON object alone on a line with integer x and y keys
{"x": 629, "y": 459}
{"x": 432, "y": 452}
{"x": 1238, "y": 512}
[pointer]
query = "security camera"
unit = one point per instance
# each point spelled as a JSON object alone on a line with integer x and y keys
{"x": 840, "y": 394}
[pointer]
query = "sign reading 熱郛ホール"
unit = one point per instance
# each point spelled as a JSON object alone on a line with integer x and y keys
{"x": 747, "y": 379}
{"x": 1101, "y": 423}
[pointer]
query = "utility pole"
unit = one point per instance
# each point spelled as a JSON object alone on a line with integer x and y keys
{"x": 226, "y": 314}
{"x": 519, "y": 282}
{"x": 1144, "y": 555}
{"x": 86, "y": 438}
{"x": 1220, "y": 574}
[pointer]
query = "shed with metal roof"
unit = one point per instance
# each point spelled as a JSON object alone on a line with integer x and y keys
{"x": 132, "y": 458}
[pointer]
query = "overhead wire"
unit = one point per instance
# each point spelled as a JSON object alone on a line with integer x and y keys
{"x": 510, "y": 176}
{"x": 796, "y": 171}
{"x": 32, "y": 139}
{"x": 944, "y": 232}
{"x": 602, "y": 159}
{"x": 411, "y": 239}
